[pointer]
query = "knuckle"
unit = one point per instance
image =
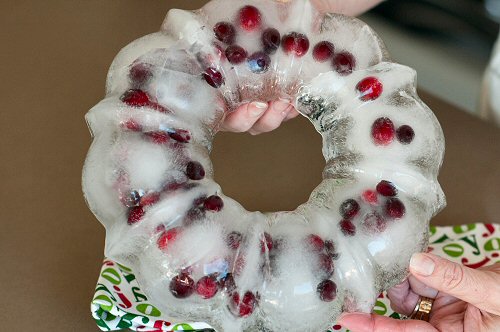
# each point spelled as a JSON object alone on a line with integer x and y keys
{"x": 453, "y": 277}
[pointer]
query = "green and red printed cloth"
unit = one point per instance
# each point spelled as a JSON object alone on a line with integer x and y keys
{"x": 120, "y": 304}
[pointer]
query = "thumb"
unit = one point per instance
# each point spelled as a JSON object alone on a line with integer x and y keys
{"x": 360, "y": 322}
{"x": 476, "y": 287}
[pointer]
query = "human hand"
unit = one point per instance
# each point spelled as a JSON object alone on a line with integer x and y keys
{"x": 261, "y": 117}
{"x": 465, "y": 299}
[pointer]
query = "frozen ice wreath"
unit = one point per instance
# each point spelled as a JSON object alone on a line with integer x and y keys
{"x": 200, "y": 255}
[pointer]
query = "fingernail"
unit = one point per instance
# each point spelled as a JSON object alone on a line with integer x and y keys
{"x": 258, "y": 109}
{"x": 422, "y": 264}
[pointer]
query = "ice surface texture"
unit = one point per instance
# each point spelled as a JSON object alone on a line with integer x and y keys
{"x": 200, "y": 255}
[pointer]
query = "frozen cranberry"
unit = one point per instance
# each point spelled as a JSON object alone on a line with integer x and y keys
{"x": 330, "y": 248}
{"x": 271, "y": 39}
{"x": 370, "y": 88}
{"x": 236, "y": 54}
{"x": 245, "y": 306}
{"x": 250, "y": 18}
{"x": 234, "y": 240}
{"x": 150, "y": 199}
{"x": 227, "y": 283}
{"x": 259, "y": 62}
{"x": 213, "y": 203}
{"x": 374, "y": 222}
{"x": 132, "y": 125}
{"x": 347, "y": 228}
{"x": 180, "y": 135}
{"x": 370, "y": 196}
{"x": 395, "y": 208}
{"x": 323, "y": 51}
{"x": 327, "y": 290}
{"x": 135, "y": 214}
{"x": 386, "y": 188}
{"x": 325, "y": 265}
{"x": 315, "y": 242}
{"x": 207, "y": 287}
{"x": 344, "y": 63}
{"x": 295, "y": 43}
{"x": 383, "y": 131}
{"x": 225, "y": 32}
{"x": 167, "y": 238}
{"x": 140, "y": 74}
{"x": 239, "y": 265}
{"x": 182, "y": 286}
{"x": 349, "y": 208}
{"x": 135, "y": 98}
{"x": 405, "y": 134}
{"x": 266, "y": 242}
{"x": 213, "y": 77}
{"x": 158, "y": 137}
{"x": 158, "y": 107}
{"x": 195, "y": 171}
{"x": 131, "y": 198}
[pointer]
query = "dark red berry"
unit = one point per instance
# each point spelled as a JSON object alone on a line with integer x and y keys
{"x": 271, "y": 39}
{"x": 295, "y": 43}
{"x": 370, "y": 196}
{"x": 374, "y": 222}
{"x": 386, "y": 188}
{"x": 370, "y": 88}
{"x": 315, "y": 242}
{"x": 135, "y": 214}
{"x": 207, "y": 287}
{"x": 344, "y": 63}
{"x": 159, "y": 108}
{"x": 213, "y": 203}
{"x": 325, "y": 264}
{"x": 234, "y": 240}
{"x": 195, "y": 171}
{"x": 395, "y": 208}
{"x": 213, "y": 77}
{"x": 239, "y": 265}
{"x": 349, "y": 208}
{"x": 180, "y": 135}
{"x": 405, "y": 134}
{"x": 182, "y": 286}
{"x": 347, "y": 227}
{"x": 227, "y": 283}
{"x": 135, "y": 98}
{"x": 245, "y": 306}
{"x": 150, "y": 199}
{"x": 167, "y": 238}
{"x": 327, "y": 290}
{"x": 323, "y": 51}
{"x": 330, "y": 248}
{"x": 249, "y": 18}
{"x": 266, "y": 242}
{"x": 259, "y": 62}
{"x": 383, "y": 131}
{"x": 225, "y": 32}
{"x": 131, "y": 125}
{"x": 236, "y": 54}
{"x": 140, "y": 74}
{"x": 158, "y": 137}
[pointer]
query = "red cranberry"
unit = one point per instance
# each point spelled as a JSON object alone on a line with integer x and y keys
{"x": 395, "y": 208}
{"x": 224, "y": 31}
{"x": 213, "y": 203}
{"x": 180, "y": 135}
{"x": 347, "y": 227}
{"x": 259, "y": 62}
{"x": 213, "y": 77}
{"x": 182, "y": 286}
{"x": 135, "y": 98}
{"x": 370, "y": 88}
{"x": 158, "y": 137}
{"x": 349, "y": 208}
{"x": 167, "y": 238}
{"x": 271, "y": 39}
{"x": 195, "y": 171}
{"x": 132, "y": 125}
{"x": 234, "y": 240}
{"x": 250, "y": 18}
{"x": 150, "y": 199}
{"x": 295, "y": 43}
{"x": 325, "y": 265}
{"x": 159, "y": 108}
{"x": 315, "y": 242}
{"x": 239, "y": 265}
{"x": 140, "y": 74}
{"x": 207, "y": 287}
{"x": 330, "y": 248}
{"x": 227, "y": 283}
{"x": 236, "y": 54}
{"x": 327, "y": 290}
{"x": 383, "y": 131}
{"x": 323, "y": 51}
{"x": 405, "y": 134}
{"x": 266, "y": 242}
{"x": 386, "y": 188}
{"x": 246, "y": 305}
{"x": 135, "y": 214}
{"x": 370, "y": 196}
{"x": 374, "y": 222}
{"x": 344, "y": 63}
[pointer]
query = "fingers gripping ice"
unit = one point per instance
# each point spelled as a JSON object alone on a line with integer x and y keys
{"x": 197, "y": 253}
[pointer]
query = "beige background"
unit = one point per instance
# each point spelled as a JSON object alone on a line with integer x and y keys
{"x": 54, "y": 57}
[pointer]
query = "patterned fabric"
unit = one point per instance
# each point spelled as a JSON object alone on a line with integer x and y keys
{"x": 119, "y": 303}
